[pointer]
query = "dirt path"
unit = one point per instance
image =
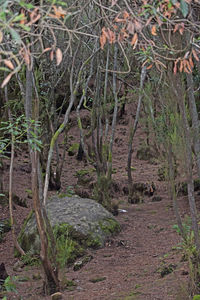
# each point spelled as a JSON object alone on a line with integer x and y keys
{"x": 132, "y": 262}
{"x": 130, "y": 266}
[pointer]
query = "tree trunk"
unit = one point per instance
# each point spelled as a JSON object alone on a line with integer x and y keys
{"x": 178, "y": 91}
{"x": 132, "y": 133}
{"x": 195, "y": 119}
{"x": 172, "y": 190}
{"x": 15, "y": 242}
{"x": 51, "y": 282}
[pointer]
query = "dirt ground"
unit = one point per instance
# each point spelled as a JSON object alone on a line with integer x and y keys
{"x": 132, "y": 264}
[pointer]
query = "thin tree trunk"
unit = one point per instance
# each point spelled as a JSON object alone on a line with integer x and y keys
{"x": 172, "y": 190}
{"x": 178, "y": 91}
{"x": 114, "y": 120}
{"x": 16, "y": 244}
{"x": 51, "y": 283}
{"x": 62, "y": 127}
{"x": 195, "y": 119}
{"x": 83, "y": 98}
{"x": 132, "y": 133}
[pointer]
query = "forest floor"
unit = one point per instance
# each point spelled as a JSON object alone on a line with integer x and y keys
{"x": 133, "y": 264}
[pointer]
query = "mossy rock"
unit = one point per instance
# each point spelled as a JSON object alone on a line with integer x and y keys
{"x": 89, "y": 223}
{"x": 73, "y": 149}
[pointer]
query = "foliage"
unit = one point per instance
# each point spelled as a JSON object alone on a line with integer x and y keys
{"x": 141, "y": 26}
{"x": 19, "y": 128}
{"x": 67, "y": 248}
{"x": 9, "y": 283}
{"x": 30, "y": 260}
{"x": 190, "y": 253}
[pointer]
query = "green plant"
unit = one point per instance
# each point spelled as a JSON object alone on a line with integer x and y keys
{"x": 30, "y": 260}
{"x": 67, "y": 248}
{"x": 191, "y": 254}
{"x": 18, "y": 128}
{"x": 70, "y": 191}
{"x": 10, "y": 284}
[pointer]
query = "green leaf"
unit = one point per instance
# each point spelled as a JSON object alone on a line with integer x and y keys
{"x": 15, "y": 36}
{"x": 3, "y": 16}
{"x": 18, "y": 18}
{"x": 61, "y": 3}
{"x": 26, "y": 5}
{"x": 4, "y": 4}
{"x": 184, "y": 8}
{"x": 4, "y": 69}
{"x": 9, "y": 284}
{"x": 26, "y": 28}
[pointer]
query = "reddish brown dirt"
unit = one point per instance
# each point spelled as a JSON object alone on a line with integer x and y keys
{"x": 131, "y": 262}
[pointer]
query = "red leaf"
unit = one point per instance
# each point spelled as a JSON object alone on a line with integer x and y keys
{"x": 6, "y": 80}
{"x": 134, "y": 40}
{"x": 9, "y": 64}
{"x": 153, "y": 30}
{"x": 58, "y": 56}
{"x": 195, "y": 55}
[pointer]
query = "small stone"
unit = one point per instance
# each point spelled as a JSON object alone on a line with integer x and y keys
{"x": 57, "y": 296}
{"x": 80, "y": 263}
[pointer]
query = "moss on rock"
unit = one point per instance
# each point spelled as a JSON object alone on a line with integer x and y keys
{"x": 73, "y": 149}
{"x": 77, "y": 224}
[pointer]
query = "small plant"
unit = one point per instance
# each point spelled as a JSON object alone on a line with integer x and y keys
{"x": 18, "y": 129}
{"x": 70, "y": 191}
{"x": 67, "y": 248}
{"x": 190, "y": 253}
{"x": 30, "y": 260}
{"x": 10, "y": 285}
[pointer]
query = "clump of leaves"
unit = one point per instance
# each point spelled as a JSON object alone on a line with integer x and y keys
{"x": 30, "y": 260}
{"x": 18, "y": 130}
{"x": 10, "y": 285}
{"x": 67, "y": 248}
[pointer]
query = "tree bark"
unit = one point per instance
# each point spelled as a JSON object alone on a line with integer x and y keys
{"x": 178, "y": 91}
{"x": 51, "y": 283}
{"x": 132, "y": 133}
{"x": 16, "y": 244}
{"x": 172, "y": 190}
{"x": 195, "y": 120}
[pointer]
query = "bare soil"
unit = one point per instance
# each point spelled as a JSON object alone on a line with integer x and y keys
{"x": 131, "y": 265}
